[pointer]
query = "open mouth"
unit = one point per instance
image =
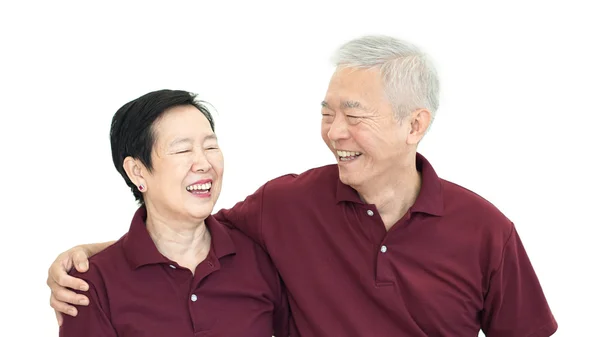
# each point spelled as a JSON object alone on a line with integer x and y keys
{"x": 200, "y": 189}
{"x": 348, "y": 155}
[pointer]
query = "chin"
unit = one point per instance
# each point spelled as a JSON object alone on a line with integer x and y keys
{"x": 200, "y": 216}
{"x": 349, "y": 179}
{"x": 200, "y": 212}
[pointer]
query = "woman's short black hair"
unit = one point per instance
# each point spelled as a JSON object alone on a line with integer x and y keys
{"x": 131, "y": 130}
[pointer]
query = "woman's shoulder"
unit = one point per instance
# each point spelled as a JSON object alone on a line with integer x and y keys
{"x": 103, "y": 264}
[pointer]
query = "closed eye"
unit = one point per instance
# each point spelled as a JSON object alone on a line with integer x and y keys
{"x": 353, "y": 120}
{"x": 211, "y": 147}
{"x": 326, "y": 116}
{"x": 182, "y": 151}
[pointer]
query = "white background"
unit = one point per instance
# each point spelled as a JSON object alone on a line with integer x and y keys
{"x": 518, "y": 121}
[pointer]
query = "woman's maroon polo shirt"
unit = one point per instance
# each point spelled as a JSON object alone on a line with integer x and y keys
{"x": 136, "y": 291}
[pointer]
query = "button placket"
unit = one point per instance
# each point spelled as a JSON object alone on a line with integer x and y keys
{"x": 371, "y": 222}
{"x": 382, "y": 277}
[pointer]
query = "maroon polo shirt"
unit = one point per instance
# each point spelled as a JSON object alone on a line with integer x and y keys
{"x": 136, "y": 291}
{"x": 454, "y": 264}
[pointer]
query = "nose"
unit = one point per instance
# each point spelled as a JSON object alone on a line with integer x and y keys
{"x": 201, "y": 163}
{"x": 339, "y": 128}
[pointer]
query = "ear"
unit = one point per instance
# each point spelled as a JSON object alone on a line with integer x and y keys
{"x": 135, "y": 171}
{"x": 419, "y": 122}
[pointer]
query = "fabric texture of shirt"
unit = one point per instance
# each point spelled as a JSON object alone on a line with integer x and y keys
{"x": 454, "y": 264}
{"x": 136, "y": 291}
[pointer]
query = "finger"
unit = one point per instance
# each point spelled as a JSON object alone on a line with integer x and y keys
{"x": 61, "y": 294}
{"x": 80, "y": 260}
{"x": 59, "y": 318}
{"x": 62, "y": 279}
{"x": 63, "y": 307}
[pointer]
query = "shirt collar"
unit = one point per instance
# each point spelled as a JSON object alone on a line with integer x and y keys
{"x": 430, "y": 199}
{"x": 140, "y": 250}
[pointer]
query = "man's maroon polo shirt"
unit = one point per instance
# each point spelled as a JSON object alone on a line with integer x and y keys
{"x": 454, "y": 264}
{"x": 136, "y": 291}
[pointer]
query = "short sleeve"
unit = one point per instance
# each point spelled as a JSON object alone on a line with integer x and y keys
{"x": 515, "y": 305}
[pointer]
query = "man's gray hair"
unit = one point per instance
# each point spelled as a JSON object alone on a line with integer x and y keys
{"x": 410, "y": 79}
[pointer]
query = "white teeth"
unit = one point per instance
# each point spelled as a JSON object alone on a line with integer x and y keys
{"x": 198, "y": 187}
{"x": 348, "y": 153}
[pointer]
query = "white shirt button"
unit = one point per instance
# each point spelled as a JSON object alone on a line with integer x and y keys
{"x": 370, "y": 213}
{"x": 383, "y": 249}
{"x": 194, "y": 298}
{"x": 172, "y": 266}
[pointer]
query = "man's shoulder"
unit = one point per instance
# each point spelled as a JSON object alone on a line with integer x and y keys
{"x": 473, "y": 220}
{"x": 468, "y": 205}
{"x": 463, "y": 194}
{"x": 315, "y": 178}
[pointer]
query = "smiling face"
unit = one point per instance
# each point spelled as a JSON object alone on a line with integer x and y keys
{"x": 359, "y": 127}
{"x": 187, "y": 166}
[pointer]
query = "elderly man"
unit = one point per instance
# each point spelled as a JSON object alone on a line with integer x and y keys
{"x": 379, "y": 245}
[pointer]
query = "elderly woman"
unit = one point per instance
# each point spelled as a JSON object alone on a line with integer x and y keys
{"x": 177, "y": 271}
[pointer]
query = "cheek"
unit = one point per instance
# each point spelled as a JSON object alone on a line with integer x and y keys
{"x": 217, "y": 162}
{"x": 325, "y": 131}
{"x": 175, "y": 171}
{"x": 368, "y": 140}
{"x": 181, "y": 167}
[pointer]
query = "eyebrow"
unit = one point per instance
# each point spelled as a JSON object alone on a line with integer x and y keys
{"x": 177, "y": 141}
{"x": 212, "y": 136}
{"x": 351, "y": 105}
{"x": 346, "y": 105}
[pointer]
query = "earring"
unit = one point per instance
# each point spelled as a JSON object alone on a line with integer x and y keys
{"x": 141, "y": 188}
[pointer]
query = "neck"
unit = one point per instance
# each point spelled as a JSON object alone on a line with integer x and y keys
{"x": 186, "y": 243}
{"x": 395, "y": 195}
